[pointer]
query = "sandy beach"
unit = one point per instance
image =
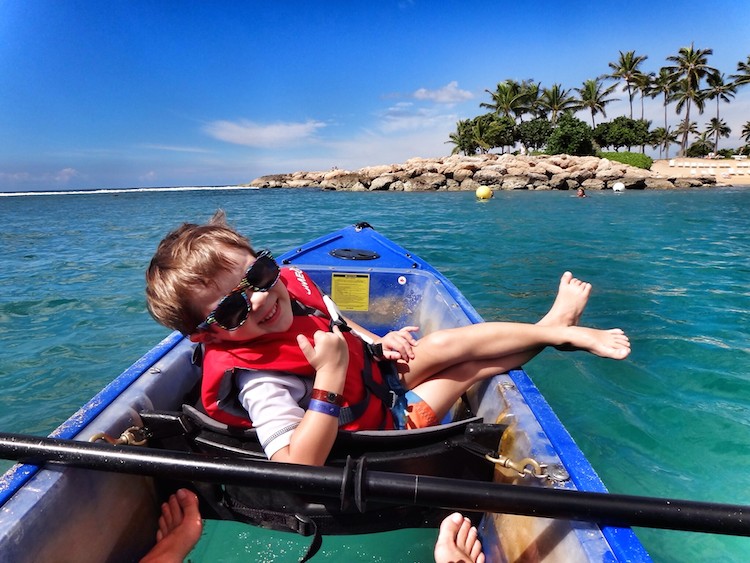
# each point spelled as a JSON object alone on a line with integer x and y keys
{"x": 727, "y": 171}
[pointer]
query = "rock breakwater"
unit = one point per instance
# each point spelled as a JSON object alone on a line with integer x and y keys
{"x": 499, "y": 172}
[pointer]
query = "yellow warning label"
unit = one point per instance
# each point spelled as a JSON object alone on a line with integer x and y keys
{"x": 351, "y": 292}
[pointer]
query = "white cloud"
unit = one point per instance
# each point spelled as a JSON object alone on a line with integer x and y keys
{"x": 405, "y": 116}
{"x": 448, "y": 94}
{"x": 249, "y": 133}
{"x": 148, "y": 177}
{"x": 15, "y": 177}
{"x": 66, "y": 175}
{"x": 14, "y": 180}
{"x": 175, "y": 148}
{"x": 365, "y": 148}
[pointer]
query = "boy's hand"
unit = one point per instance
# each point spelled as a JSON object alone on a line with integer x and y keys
{"x": 330, "y": 351}
{"x": 399, "y": 344}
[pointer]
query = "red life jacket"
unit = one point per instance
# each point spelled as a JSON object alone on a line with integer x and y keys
{"x": 362, "y": 410}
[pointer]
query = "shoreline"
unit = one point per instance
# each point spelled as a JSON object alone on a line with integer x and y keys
{"x": 725, "y": 171}
{"x": 514, "y": 172}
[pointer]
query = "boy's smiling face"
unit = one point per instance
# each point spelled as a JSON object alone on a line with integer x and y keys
{"x": 271, "y": 310}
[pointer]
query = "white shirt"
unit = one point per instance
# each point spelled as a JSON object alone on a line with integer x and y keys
{"x": 275, "y": 403}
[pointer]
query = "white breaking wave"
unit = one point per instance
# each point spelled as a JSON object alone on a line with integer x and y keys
{"x": 128, "y": 190}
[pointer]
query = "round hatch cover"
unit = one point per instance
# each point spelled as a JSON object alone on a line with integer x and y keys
{"x": 354, "y": 254}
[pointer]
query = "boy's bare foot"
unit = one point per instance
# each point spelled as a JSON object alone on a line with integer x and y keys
{"x": 612, "y": 343}
{"x": 571, "y": 300}
{"x": 180, "y": 528}
{"x": 458, "y": 541}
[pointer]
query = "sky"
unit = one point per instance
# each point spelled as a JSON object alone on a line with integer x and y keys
{"x": 141, "y": 93}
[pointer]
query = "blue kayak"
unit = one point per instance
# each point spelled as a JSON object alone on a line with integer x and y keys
{"x": 60, "y": 509}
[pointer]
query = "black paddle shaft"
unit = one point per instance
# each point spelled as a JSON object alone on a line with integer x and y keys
{"x": 358, "y": 485}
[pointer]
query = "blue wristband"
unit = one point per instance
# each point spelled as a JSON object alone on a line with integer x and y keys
{"x": 325, "y": 408}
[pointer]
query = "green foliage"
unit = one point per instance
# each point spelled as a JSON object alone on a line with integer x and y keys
{"x": 571, "y": 136}
{"x": 482, "y": 134}
{"x": 497, "y": 131}
{"x": 463, "y": 138}
{"x": 630, "y": 158}
{"x": 701, "y": 147}
{"x": 622, "y": 132}
{"x": 534, "y": 134}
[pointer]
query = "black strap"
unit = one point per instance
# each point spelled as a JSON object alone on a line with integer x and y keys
{"x": 372, "y": 353}
{"x": 281, "y": 521}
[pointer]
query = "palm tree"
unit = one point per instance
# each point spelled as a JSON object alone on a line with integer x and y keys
{"x": 556, "y": 100}
{"x": 662, "y": 138}
{"x": 480, "y": 132}
{"x": 684, "y": 129}
{"x": 743, "y": 73}
{"x": 506, "y": 99}
{"x": 643, "y": 82}
{"x": 593, "y": 96}
{"x": 626, "y": 69}
{"x": 702, "y": 145}
{"x": 723, "y": 91}
{"x": 690, "y": 66}
{"x": 531, "y": 91}
{"x": 463, "y": 138}
{"x": 663, "y": 84}
{"x": 745, "y": 135}
{"x": 718, "y": 128}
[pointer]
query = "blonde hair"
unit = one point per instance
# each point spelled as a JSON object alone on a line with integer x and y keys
{"x": 188, "y": 258}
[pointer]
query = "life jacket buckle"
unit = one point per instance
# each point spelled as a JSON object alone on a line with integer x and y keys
{"x": 341, "y": 323}
{"x": 375, "y": 350}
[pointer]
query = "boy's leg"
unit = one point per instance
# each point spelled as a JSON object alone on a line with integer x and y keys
{"x": 491, "y": 342}
{"x": 449, "y": 362}
{"x": 570, "y": 302}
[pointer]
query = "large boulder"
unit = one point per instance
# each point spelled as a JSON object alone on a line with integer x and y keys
{"x": 270, "y": 181}
{"x": 373, "y": 172}
{"x": 471, "y": 185}
{"x": 343, "y": 181}
{"x": 515, "y": 183}
{"x": 558, "y": 181}
{"x": 427, "y": 182}
{"x": 594, "y": 184}
{"x": 382, "y": 182}
{"x": 658, "y": 184}
{"x": 490, "y": 175}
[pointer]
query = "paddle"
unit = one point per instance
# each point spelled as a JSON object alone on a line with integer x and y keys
{"x": 358, "y": 484}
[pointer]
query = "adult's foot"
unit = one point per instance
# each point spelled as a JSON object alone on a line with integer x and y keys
{"x": 572, "y": 297}
{"x": 458, "y": 542}
{"x": 180, "y": 528}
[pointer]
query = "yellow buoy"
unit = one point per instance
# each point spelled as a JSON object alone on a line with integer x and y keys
{"x": 483, "y": 192}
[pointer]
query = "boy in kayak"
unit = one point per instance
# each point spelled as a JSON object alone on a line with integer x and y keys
{"x": 272, "y": 360}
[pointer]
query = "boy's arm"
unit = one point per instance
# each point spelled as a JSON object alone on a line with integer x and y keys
{"x": 312, "y": 440}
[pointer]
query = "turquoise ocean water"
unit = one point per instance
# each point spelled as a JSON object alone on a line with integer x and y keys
{"x": 672, "y": 268}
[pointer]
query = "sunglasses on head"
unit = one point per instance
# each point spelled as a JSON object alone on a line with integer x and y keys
{"x": 232, "y": 310}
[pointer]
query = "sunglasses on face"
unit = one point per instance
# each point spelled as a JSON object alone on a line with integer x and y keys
{"x": 232, "y": 310}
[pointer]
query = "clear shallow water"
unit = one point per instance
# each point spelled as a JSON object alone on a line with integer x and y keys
{"x": 671, "y": 268}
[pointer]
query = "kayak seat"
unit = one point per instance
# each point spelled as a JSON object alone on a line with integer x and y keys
{"x": 452, "y": 450}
